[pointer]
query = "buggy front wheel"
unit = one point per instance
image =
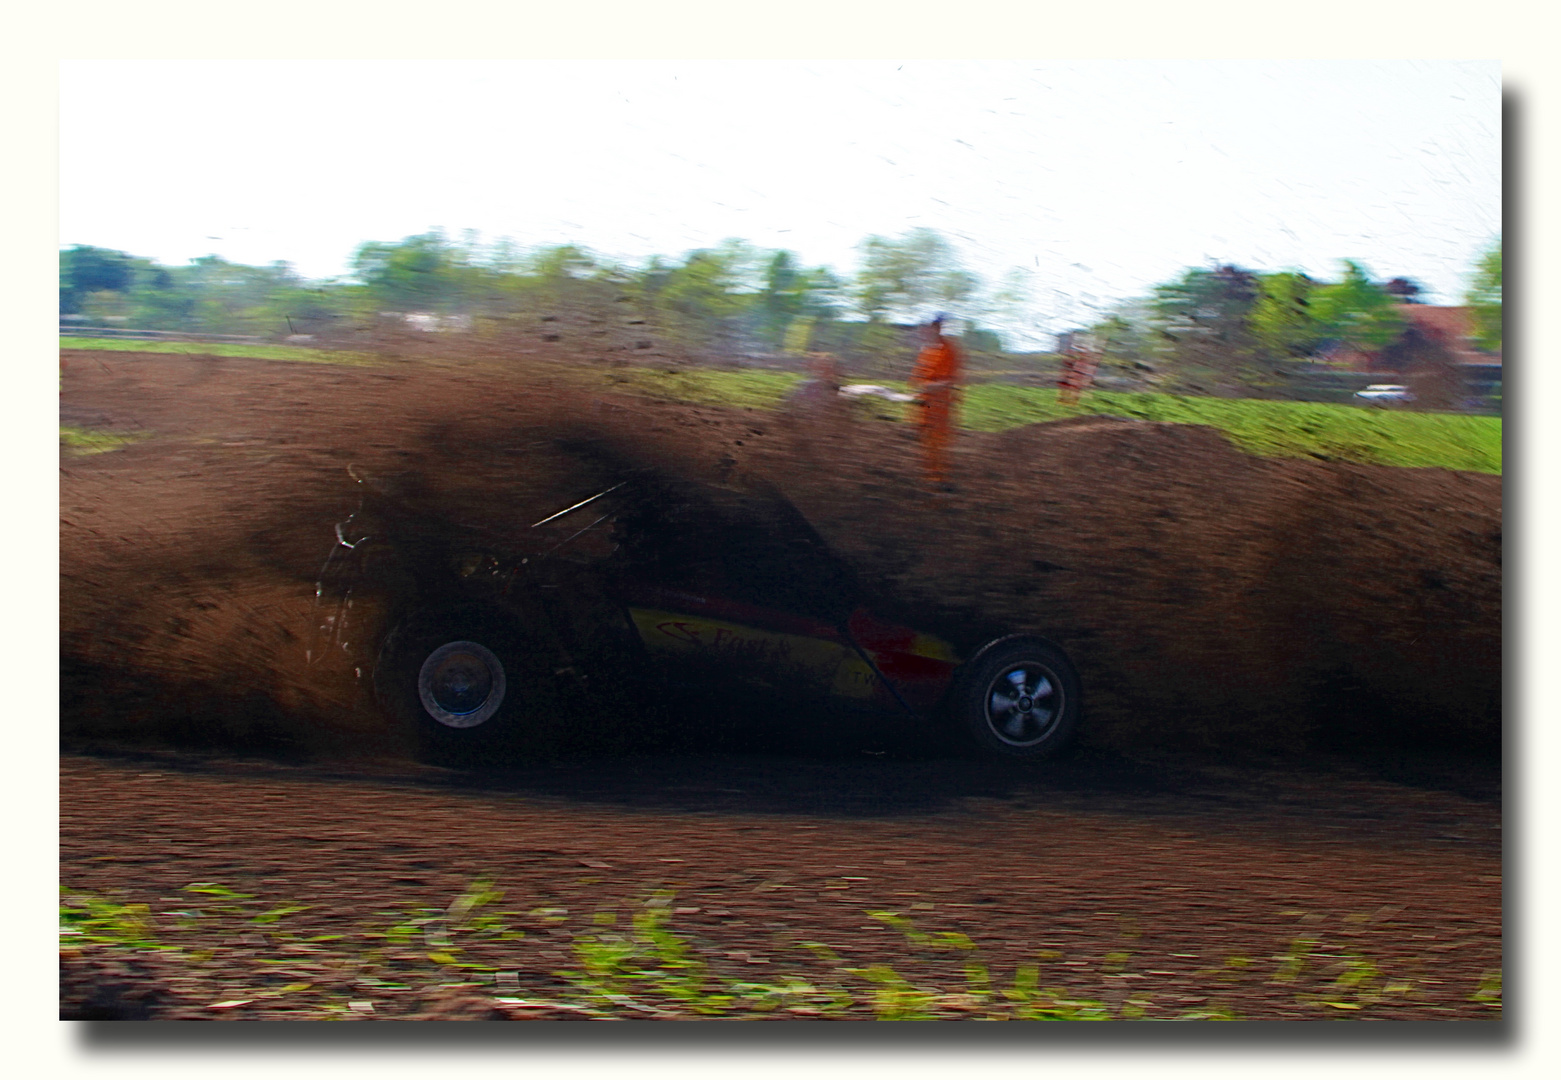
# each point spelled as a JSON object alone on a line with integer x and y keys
{"x": 1019, "y": 698}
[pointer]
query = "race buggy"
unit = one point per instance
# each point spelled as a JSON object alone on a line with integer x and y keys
{"x": 655, "y": 590}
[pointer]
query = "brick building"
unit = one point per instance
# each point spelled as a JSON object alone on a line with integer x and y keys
{"x": 1435, "y": 356}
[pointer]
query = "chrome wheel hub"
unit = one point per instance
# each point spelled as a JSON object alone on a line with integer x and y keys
{"x": 461, "y": 684}
{"x": 1023, "y": 704}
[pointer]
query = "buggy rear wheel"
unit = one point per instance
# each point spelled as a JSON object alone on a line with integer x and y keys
{"x": 466, "y": 680}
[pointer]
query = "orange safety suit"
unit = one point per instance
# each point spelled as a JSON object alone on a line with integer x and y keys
{"x": 935, "y": 381}
{"x": 1077, "y": 374}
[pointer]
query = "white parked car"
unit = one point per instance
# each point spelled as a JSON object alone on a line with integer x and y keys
{"x": 856, "y": 390}
{"x": 1385, "y": 392}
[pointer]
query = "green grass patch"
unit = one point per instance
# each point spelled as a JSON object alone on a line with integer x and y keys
{"x": 708, "y": 386}
{"x": 83, "y": 441}
{"x": 214, "y": 348}
{"x": 1293, "y": 429}
{"x": 1269, "y": 428}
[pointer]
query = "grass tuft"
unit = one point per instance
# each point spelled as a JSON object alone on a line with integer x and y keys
{"x": 80, "y": 442}
{"x": 248, "y": 952}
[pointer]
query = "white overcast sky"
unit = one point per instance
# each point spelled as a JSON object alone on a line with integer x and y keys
{"x": 1099, "y": 178}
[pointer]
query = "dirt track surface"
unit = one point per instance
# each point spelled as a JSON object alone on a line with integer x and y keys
{"x": 1209, "y": 598}
{"x": 1173, "y": 866}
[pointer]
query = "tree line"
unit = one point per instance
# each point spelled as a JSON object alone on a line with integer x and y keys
{"x": 1217, "y": 329}
{"x": 733, "y": 295}
{"x": 1227, "y": 329}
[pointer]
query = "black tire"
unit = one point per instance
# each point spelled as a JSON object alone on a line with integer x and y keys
{"x": 1019, "y": 698}
{"x": 466, "y": 680}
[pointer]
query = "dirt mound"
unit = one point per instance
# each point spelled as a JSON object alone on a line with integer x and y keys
{"x": 1207, "y": 596}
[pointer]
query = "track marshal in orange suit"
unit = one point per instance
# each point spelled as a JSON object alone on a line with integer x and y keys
{"x": 935, "y": 382}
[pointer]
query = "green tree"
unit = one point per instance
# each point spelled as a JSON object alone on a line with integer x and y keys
{"x": 85, "y": 270}
{"x": 1484, "y": 296}
{"x": 559, "y": 263}
{"x": 1282, "y": 317}
{"x": 556, "y": 277}
{"x": 793, "y": 299}
{"x": 158, "y": 300}
{"x": 709, "y": 285}
{"x": 1126, "y": 340}
{"x": 294, "y": 306}
{"x": 418, "y": 274}
{"x": 701, "y": 303}
{"x": 1208, "y": 303}
{"x": 903, "y": 277}
{"x": 822, "y": 292}
{"x": 1356, "y": 311}
{"x": 1205, "y": 343}
{"x": 220, "y": 297}
{"x": 208, "y": 294}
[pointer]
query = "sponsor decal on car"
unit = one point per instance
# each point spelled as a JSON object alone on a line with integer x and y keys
{"x": 830, "y": 664}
